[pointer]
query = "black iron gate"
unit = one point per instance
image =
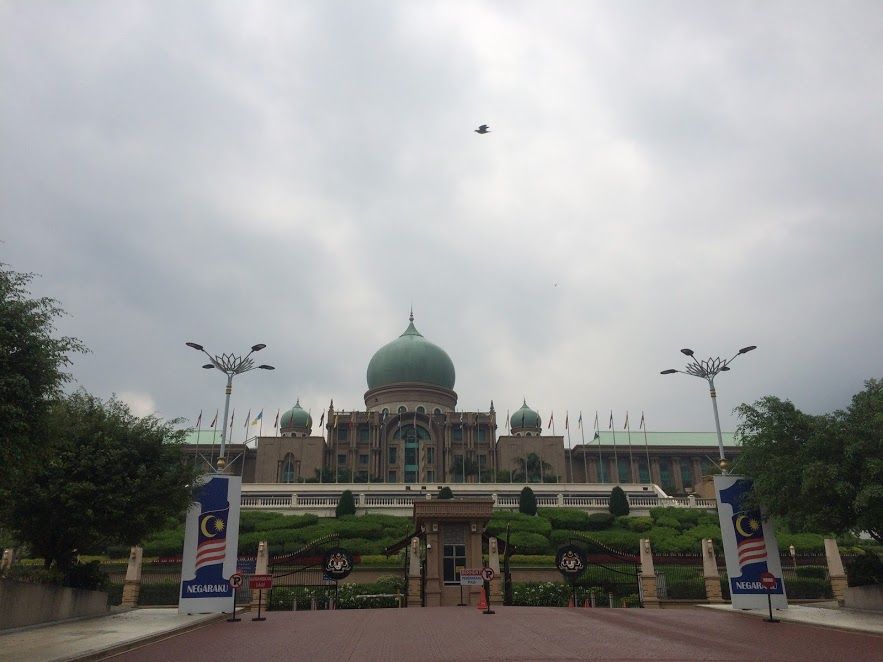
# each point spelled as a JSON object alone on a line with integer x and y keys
{"x": 612, "y": 576}
{"x": 299, "y": 580}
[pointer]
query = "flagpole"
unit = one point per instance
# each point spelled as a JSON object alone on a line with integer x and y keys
{"x": 646, "y": 447}
{"x": 601, "y": 472}
{"x": 612, "y": 428}
{"x": 569, "y": 445}
{"x": 582, "y": 433}
{"x": 198, "y": 425}
{"x": 629, "y": 433}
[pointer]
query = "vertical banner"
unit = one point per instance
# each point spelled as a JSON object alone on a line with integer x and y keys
{"x": 211, "y": 539}
{"x": 750, "y": 547}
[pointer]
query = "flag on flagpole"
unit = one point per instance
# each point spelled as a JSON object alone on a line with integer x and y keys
{"x": 322, "y": 420}
{"x": 610, "y": 425}
{"x": 247, "y": 419}
{"x": 276, "y": 422}
{"x": 551, "y": 420}
{"x": 596, "y": 421}
{"x": 579, "y": 421}
{"x": 507, "y": 421}
{"x": 199, "y": 419}
{"x": 626, "y": 426}
{"x": 215, "y": 419}
{"x": 566, "y": 420}
{"x": 257, "y": 419}
{"x": 232, "y": 416}
{"x": 641, "y": 426}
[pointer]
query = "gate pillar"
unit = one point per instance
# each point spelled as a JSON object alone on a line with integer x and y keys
{"x": 835, "y": 570}
{"x": 132, "y": 584}
{"x": 648, "y": 576}
{"x": 261, "y": 563}
{"x": 710, "y": 572}
{"x": 414, "y": 577}
{"x": 493, "y": 562}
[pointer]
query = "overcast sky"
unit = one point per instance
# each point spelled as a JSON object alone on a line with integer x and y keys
{"x": 657, "y": 176}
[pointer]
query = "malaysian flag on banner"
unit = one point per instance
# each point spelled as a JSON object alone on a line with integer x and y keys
{"x": 750, "y": 544}
{"x": 212, "y": 545}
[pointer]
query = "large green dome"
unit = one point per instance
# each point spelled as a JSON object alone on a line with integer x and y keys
{"x": 296, "y": 417}
{"x": 411, "y": 358}
{"x": 525, "y": 418}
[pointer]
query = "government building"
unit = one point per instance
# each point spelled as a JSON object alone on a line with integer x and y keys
{"x": 411, "y": 437}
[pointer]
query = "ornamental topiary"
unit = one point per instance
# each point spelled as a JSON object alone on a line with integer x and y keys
{"x": 619, "y": 503}
{"x": 527, "y": 502}
{"x": 346, "y": 505}
{"x": 445, "y": 493}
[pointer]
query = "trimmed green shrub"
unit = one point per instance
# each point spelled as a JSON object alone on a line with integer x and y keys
{"x": 668, "y": 522}
{"x": 518, "y": 522}
{"x": 540, "y": 594}
{"x": 283, "y": 522}
{"x": 808, "y": 588}
{"x": 565, "y": 518}
{"x": 346, "y": 505}
{"x": 445, "y": 493}
{"x": 160, "y": 594}
{"x": 623, "y": 541}
{"x": 560, "y": 537}
{"x": 639, "y": 524}
{"x": 864, "y": 570}
{"x": 599, "y": 521}
{"x": 283, "y": 597}
{"x": 815, "y": 571}
{"x": 619, "y": 503}
{"x": 687, "y": 589}
{"x": 527, "y": 502}
{"x": 530, "y": 543}
{"x": 803, "y": 542}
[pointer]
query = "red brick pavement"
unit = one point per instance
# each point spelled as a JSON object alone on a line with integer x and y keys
{"x": 513, "y": 633}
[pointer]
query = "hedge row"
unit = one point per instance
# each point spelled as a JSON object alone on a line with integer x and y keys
{"x": 284, "y": 597}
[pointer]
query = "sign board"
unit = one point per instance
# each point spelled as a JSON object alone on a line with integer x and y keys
{"x": 750, "y": 547}
{"x": 471, "y": 580}
{"x": 256, "y": 582}
{"x": 768, "y": 580}
{"x": 246, "y": 566}
{"x": 236, "y": 580}
{"x": 570, "y": 561}
{"x": 336, "y": 564}
{"x": 211, "y": 539}
{"x": 487, "y": 574}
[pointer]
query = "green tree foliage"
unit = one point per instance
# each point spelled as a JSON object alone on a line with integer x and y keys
{"x": 445, "y": 493}
{"x": 108, "y": 477}
{"x": 463, "y": 467}
{"x": 527, "y": 502}
{"x": 817, "y": 472}
{"x": 619, "y": 503}
{"x": 528, "y": 470}
{"x": 346, "y": 505}
{"x": 32, "y": 371}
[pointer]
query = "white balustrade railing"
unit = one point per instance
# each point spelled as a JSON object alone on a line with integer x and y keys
{"x": 295, "y": 501}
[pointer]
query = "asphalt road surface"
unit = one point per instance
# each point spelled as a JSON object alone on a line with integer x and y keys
{"x": 513, "y": 633}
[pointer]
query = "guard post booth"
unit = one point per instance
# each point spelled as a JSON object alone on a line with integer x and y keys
{"x": 452, "y": 533}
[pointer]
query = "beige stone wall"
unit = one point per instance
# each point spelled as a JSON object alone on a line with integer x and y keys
{"x": 271, "y": 453}
{"x": 549, "y": 448}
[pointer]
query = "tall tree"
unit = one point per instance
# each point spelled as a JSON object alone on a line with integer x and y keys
{"x": 32, "y": 370}
{"x": 346, "y": 504}
{"x": 817, "y": 472}
{"x": 618, "y": 504}
{"x": 530, "y": 469}
{"x": 527, "y": 502}
{"x": 107, "y": 477}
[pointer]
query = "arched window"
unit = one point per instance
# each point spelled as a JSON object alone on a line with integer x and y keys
{"x": 437, "y": 411}
{"x": 402, "y": 409}
{"x": 421, "y": 409}
{"x": 287, "y": 470}
{"x": 385, "y": 411}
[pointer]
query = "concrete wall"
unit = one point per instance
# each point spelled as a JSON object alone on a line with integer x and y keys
{"x": 22, "y": 603}
{"x": 865, "y": 597}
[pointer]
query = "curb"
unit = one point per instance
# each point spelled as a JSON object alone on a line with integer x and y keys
{"x": 124, "y": 646}
{"x": 855, "y": 629}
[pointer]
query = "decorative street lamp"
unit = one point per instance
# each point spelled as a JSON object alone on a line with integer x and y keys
{"x": 230, "y": 365}
{"x": 708, "y": 370}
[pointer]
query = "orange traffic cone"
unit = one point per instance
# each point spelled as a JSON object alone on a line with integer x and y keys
{"x": 482, "y": 602}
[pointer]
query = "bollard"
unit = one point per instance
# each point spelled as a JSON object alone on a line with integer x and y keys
{"x": 294, "y": 603}
{"x": 610, "y": 598}
{"x": 313, "y": 605}
{"x": 592, "y": 596}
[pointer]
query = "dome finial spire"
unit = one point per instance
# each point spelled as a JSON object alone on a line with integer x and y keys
{"x": 411, "y": 316}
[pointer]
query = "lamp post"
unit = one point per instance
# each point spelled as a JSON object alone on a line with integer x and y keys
{"x": 231, "y": 365}
{"x": 708, "y": 370}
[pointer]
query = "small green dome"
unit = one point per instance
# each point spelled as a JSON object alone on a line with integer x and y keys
{"x": 411, "y": 358}
{"x": 296, "y": 417}
{"x": 525, "y": 418}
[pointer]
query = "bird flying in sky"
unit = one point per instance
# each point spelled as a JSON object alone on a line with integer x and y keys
{"x": 482, "y": 129}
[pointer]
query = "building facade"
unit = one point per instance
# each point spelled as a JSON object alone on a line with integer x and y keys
{"x": 411, "y": 433}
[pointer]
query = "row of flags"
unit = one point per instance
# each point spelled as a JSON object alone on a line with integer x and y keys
{"x": 551, "y": 424}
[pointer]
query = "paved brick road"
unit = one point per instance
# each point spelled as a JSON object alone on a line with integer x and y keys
{"x": 514, "y": 633}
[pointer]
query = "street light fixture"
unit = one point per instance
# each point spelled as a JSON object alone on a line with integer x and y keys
{"x": 230, "y": 365}
{"x": 708, "y": 370}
